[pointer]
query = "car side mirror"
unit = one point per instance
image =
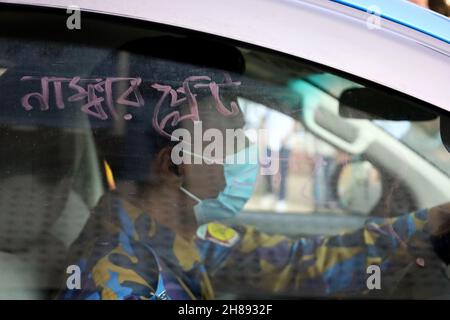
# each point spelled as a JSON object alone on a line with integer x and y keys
{"x": 359, "y": 187}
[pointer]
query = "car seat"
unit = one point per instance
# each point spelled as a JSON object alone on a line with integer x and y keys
{"x": 49, "y": 180}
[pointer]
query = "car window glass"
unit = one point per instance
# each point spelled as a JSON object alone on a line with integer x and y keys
{"x": 125, "y": 135}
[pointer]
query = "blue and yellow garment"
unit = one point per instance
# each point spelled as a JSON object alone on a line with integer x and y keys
{"x": 125, "y": 254}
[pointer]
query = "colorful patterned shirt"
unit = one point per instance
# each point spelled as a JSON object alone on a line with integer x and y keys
{"x": 125, "y": 254}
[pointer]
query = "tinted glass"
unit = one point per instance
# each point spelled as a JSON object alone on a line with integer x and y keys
{"x": 130, "y": 148}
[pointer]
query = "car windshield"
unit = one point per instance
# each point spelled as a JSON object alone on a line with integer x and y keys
{"x": 422, "y": 137}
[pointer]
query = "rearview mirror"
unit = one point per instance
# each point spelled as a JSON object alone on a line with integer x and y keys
{"x": 372, "y": 104}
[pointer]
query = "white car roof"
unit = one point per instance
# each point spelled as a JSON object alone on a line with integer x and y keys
{"x": 325, "y": 32}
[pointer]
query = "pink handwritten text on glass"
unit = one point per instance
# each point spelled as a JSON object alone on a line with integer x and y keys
{"x": 192, "y": 82}
{"x": 95, "y": 92}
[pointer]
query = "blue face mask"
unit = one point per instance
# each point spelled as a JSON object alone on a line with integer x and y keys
{"x": 241, "y": 172}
